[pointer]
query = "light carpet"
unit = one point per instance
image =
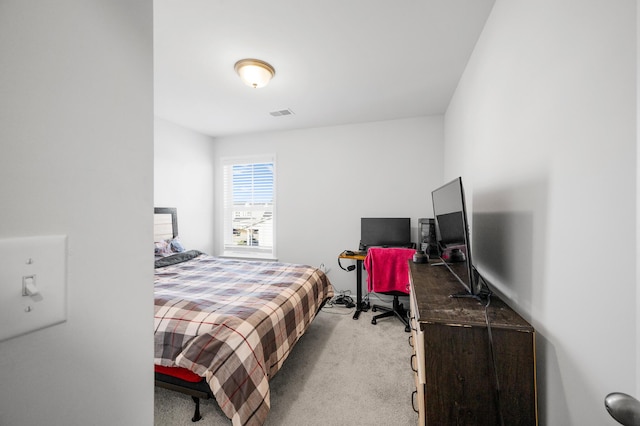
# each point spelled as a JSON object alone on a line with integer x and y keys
{"x": 342, "y": 371}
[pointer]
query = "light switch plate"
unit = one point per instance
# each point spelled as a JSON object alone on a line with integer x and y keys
{"x": 40, "y": 262}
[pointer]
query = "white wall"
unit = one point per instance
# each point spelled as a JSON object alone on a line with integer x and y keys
{"x": 637, "y": 393}
{"x": 76, "y": 130}
{"x": 542, "y": 126}
{"x": 328, "y": 178}
{"x": 183, "y": 178}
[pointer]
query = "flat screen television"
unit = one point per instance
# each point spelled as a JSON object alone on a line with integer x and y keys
{"x": 452, "y": 233}
{"x": 385, "y": 232}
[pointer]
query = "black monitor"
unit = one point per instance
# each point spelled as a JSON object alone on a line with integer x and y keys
{"x": 452, "y": 232}
{"x": 385, "y": 232}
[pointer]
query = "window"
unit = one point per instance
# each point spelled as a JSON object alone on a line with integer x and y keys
{"x": 249, "y": 203}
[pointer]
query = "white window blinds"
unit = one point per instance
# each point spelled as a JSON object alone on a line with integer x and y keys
{"x": 249, "y": 206}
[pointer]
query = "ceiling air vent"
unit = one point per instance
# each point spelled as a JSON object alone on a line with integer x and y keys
{"x": 281, "y": 112}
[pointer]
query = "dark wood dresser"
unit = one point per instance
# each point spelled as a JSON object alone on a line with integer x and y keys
{"x": 458, "y": 367}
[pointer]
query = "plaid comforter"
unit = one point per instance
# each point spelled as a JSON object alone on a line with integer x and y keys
{"x": 234, "y": 322}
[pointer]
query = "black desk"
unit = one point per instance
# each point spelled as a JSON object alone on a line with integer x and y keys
{"x": 359, "y": 258}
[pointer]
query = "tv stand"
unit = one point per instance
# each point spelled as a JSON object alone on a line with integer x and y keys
{"x": 465, "y": 375}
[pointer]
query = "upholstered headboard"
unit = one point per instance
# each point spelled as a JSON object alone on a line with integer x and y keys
{"x": 165, "y": 223}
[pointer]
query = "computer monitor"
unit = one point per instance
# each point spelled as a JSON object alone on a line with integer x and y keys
{"x": 385, "y": 232}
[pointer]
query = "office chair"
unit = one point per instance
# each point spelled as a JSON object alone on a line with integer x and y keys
{"x": 388, "y": 273}
{"x": 624, "y": 408}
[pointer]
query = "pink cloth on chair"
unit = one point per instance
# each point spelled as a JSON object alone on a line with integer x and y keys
{"x": 388, "y": 269}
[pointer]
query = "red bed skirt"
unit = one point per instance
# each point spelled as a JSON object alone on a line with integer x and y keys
{"x": 179, "y": 373}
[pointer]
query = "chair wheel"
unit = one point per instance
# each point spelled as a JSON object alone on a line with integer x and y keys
{"x": 407, "y": 329}
{"x": 373, "y": 309}
{"x": 373, "y": 321}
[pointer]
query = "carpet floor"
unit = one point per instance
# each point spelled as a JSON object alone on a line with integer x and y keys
{"x": 340, "y": 372}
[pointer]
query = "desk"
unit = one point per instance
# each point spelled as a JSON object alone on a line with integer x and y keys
{"x": 458, "y": 364}
{"x": 358, "y": 256}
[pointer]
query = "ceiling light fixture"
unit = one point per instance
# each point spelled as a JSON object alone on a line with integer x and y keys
{"x": 254, "y": 72}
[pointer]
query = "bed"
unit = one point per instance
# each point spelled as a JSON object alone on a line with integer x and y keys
{"x": 224, "y": 327}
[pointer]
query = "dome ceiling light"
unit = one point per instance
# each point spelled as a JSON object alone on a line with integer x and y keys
{"x": 254, "y": 72}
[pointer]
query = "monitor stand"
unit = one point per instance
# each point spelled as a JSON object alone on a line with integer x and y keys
{"x": 465, "y": 295}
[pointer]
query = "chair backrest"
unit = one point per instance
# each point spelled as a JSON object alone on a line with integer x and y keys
{"x": 388, "y": 269}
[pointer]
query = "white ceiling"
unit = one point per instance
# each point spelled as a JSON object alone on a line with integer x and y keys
{"x": 336, "y": 61}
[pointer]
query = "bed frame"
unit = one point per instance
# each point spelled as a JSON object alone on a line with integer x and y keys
{"x": 196, "y": 390}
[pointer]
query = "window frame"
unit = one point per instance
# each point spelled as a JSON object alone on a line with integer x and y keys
{"x": 237, "y": 251}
